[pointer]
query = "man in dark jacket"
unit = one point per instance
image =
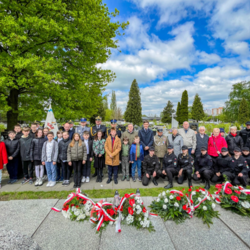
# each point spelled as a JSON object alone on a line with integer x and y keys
{"x": 201, "y": 141}
{"x": 246, "y": 155}
{"x": 239, "y": 164}
{"x": 203, "y": 165}
{"x": 233, "y": 140}
{"x": 146, "y": 137}
{"x": 12, "y": 148}
{"x": 151, "y": 167}
{"x": 245, "y": 135}
{"x": 62, "y": 157}
{"x": 169, "y": 167}
{"x": 113, "y": 123}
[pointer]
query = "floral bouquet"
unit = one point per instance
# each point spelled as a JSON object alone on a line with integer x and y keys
{"x": 236, "y": 199}
{"x": 171, "y": 205}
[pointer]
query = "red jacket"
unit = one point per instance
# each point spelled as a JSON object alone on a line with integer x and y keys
{"x": 3, "y": 155}
{"x": 216, "y": 144}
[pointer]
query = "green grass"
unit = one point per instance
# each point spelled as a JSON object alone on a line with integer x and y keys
{"x": 103, "y": 193}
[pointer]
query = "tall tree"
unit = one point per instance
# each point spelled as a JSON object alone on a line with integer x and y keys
{"x": 100, "y": 112}
{"x": 184, "y": 107}
{"x": 50, "y": 49}
{"x": 243, "y": 114}
{"x": 167, "y": 113}
{"x": 105, "y": 103}
{"x": 113, "y": 105}
{"x": 177, "y": 118}
{"x": 133, "y": 111}
{"x": 197, "y": 109}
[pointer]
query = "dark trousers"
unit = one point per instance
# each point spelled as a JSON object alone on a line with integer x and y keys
{"x": 65, "y": 169}
{"x": 171, "y": 172}
{"x": 59, "y": 171}
{"x": 86, "y": 168}
{"x": 77, "y": 165}
{"x": 113, "y": 170}
{"x": 12, "y": 168}
{"x": 145, "y": 179}
{"x": 186, "y": 174}
{"x": 230, "y": 177}
{"x": 99, "y": 172}
{"x": 214, "y": 159}
{"x": 240, "y": 180}
{"x": 20, "y": 167}
{"x": 206, "y": 175}
{"x": 27, "y": 169}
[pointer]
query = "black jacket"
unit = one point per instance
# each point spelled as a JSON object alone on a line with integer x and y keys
{"x": 233, "y": 142}
{"x": 203, "y": 162}
{"x": 245, "y": 135}
{"x": 169, "y": 161}
{"x": 247, "y": 158}
{"x": 223, "y": 164}
{"x": 91, "y": 152}
{"x": 25, "y": 144}
{"x": 94, "y": 129}
{"x": 12, "y": 147}
{"x": 146, "y": 139}
{"x": 151, "y": 164}
{"x": 62, "y": 149}
{"x": 185, "y": 162}
{"x": 36, "y": 148}
{"x": 239, "y": 165}
{"x": 33, "y": 135}
{"x": 19, "y": 135}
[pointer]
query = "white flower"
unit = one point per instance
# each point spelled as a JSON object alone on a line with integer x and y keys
{"x": 138, "y": 207}
{"x": 213, "y": 206}
{"x": 139, "y": 219}
{"x": 167, "y": 191}
{"x": 203, "y": 192}
{"x": 77, "y": 212}
{"x": 176, "y": 204}
{"x": 204, "y": 208}
{"x": 199, "y": 198}
{"x": 159, "y": 195}
{"x": 245, "y": 204}
{"x": 145, "y": 215}
{"x": 171, "y": 197}
{"x": 141, "y": 222}
{"x": 193, "y": 192}
{"x": 208, "y": 198}
{"x": 111, "y": 223}
{"x": 164, "y": 207}
{"x": 166, "y": 200}
{"x": 134, "y": 205}
{"x": 163, "y": 193}
{"x": 157, "y": 199}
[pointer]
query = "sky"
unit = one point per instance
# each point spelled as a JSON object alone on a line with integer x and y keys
{"x": 172, "y": 45}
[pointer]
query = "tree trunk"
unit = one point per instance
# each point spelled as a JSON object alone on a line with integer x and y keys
{"x": 12, "y": 115}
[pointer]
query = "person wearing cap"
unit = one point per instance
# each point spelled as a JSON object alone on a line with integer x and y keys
{"x": 169, "y": 167}
{"x": 37, "y": 124}
{"x": 246, "y": 155}
{"x": 71, "y": 125}
{"x": 82, "y": 128}
{"x": 202, "y": 140}
{"x": 233, "y": 140}
{"x": 184, "y": 165}
{"x": 113, "y": 123}
{"x": 222, "y": 167}
{"x": 203, "y": 165}
{"x": 176, "y": 141}
{"x": 222, "y": 132}
{"x": 160, "y": 145}
{"x": 189, "y": 137}
{"x": 151, "y": 167}
{"x": 146, "y": 137}
{"x": 239, "y": 164}
{"x": 245, "y": 135}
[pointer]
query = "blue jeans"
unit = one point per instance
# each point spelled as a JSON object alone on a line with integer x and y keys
{"x": 189, "y": 151}
{"x": 51, "y": 171}
{"x": 138, "y": 164}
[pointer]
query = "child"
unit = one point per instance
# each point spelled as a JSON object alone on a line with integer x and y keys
{"x": 87, "y": 165}
{"x": 125, "y": 159}
{"x": 18, "y": 131}
{"x": 136, "y": 157}
{"x": 49, "y": 158}
{"x": 62, "y": 157}
{"x": 76, "y": 156}
{"x": 35, "y": 156}
{"x": 25, "y": 144}
{"x": 99, "y": 153}
{"x": 3, "y": 159}
{"x": 12, "y": 147}
{"x": 60, "y": 176}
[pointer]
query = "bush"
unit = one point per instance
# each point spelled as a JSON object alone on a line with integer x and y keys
{"x": 2, "y": 127}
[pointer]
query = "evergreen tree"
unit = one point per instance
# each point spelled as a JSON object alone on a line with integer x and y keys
{"x": 243, "y": 115}
{"x": 105, "y": 102}
{"x": 133, "y": 111}
{"x": 197, "y": 109}
{"x": 113, "y": 101}
{"x": 167, "y": 113}
{"x": 184, "y": 107}
{"x": 100, "y": 112}
{"x": 178, "y": 112}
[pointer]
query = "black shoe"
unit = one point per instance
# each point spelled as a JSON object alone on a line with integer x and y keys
{"x": 108, "y": 181}
{"x": 116, "y": 181}
{"x": 97, "y": 179}
{"x": 155, "y": 182}
{"x": 170, "y": 185}
{"x": 74, "y": 186}
{"x": 207, "y": 186}
{"x": 94, "y": 175}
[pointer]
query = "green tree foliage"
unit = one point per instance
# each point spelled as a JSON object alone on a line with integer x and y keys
{"x": 113, "y": 105}
{"x": 184, "y": 107}
{"x": 239, "y": 91}
{"x": 167, "y": 113}
{"x": 197, "y": 109}
{"x": 133, "y": 111}
{"x": 50, "y": 49}
{"x": 178, "y": 112}
{"x": 100, "y": 112}
{"x": 243, "y": 115}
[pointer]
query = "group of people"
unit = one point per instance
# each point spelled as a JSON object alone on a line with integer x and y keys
{"x": 184, "y": 154}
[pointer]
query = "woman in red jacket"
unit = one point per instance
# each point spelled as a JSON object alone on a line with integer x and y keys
{"x": 3, "y": 159}
{"x": 215, "y": 143}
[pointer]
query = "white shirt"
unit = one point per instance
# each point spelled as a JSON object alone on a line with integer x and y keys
{"x": 87, "y": 145}
{"x": 49, "y": 148}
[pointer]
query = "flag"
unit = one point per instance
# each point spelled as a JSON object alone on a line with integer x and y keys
{"x": 51, "y": 121}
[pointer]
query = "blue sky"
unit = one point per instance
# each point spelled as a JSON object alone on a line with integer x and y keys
{"x": 172, "y": 45}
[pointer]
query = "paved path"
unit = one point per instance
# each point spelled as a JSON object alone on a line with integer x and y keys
{"x": 52, "y": 231}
